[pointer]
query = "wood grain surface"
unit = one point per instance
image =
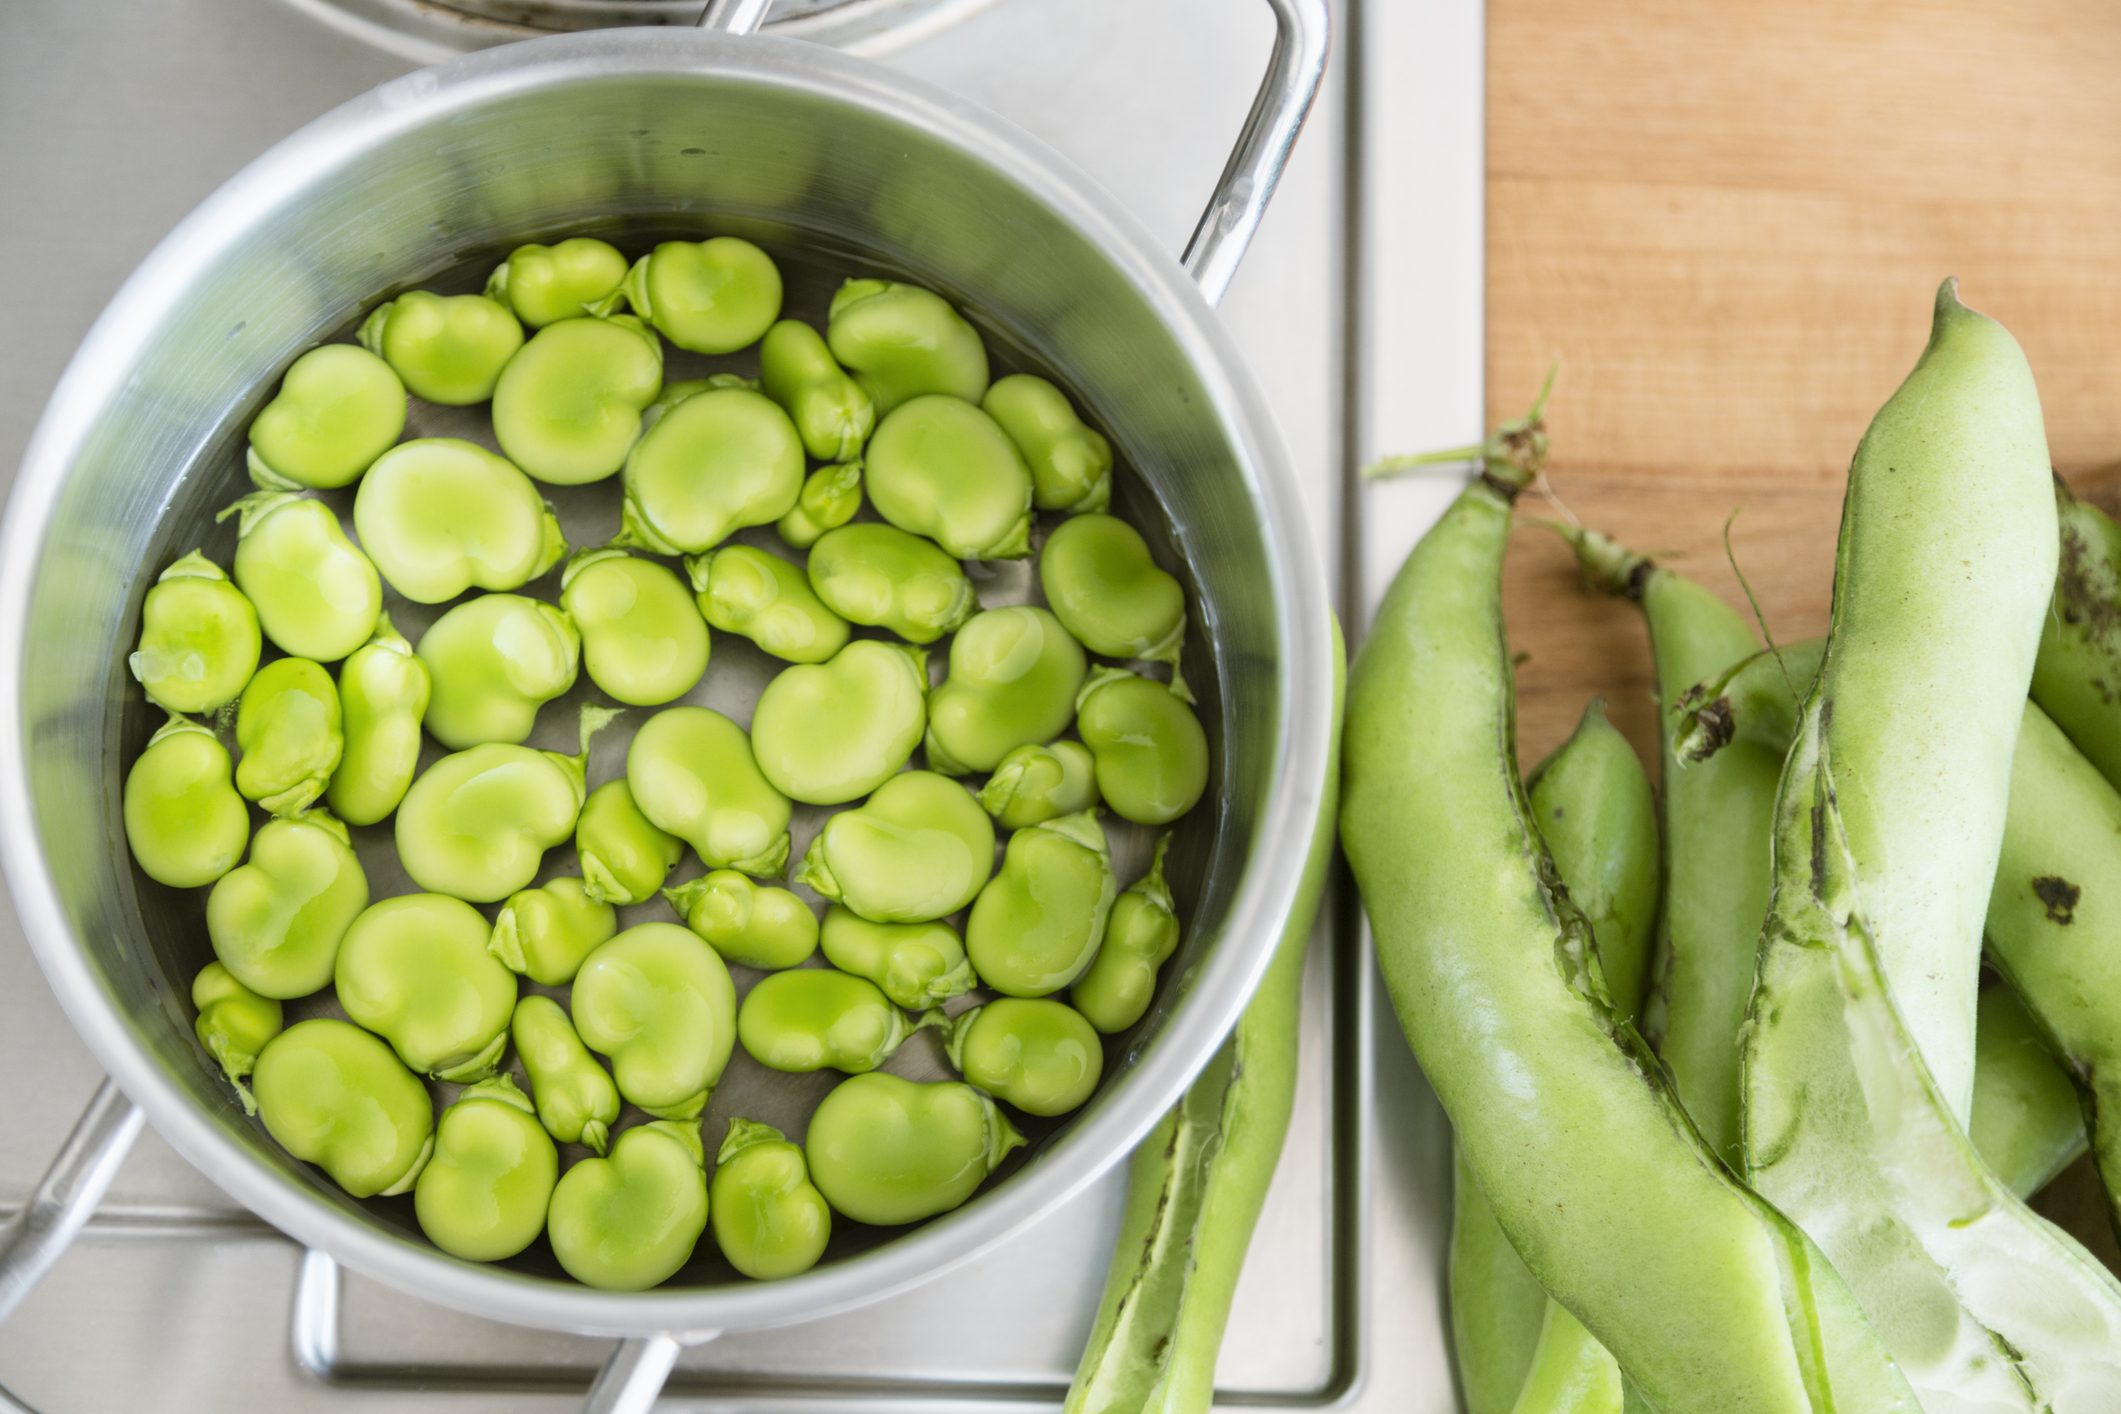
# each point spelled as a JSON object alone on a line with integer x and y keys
{"x": 1727, "y": 221}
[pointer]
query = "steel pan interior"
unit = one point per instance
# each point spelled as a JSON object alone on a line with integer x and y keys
{"x": 635, "y": 136}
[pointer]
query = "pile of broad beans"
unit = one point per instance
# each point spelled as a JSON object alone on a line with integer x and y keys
{"x": 456, "y": 1037}
{"x": 1751, "y": 1078}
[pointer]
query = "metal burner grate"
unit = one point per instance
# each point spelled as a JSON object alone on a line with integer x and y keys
{"x": 430, "y": 31}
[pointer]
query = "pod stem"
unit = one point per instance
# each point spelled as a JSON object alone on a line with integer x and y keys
{"x": 1512, "y": 458}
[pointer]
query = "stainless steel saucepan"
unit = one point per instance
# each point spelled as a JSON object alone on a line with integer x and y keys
{"x": 640, "y": 135}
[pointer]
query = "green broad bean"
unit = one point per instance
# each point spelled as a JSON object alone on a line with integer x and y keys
{"x": 1071, "y": 464}
{"x": 768, "y": 600}
{"x": 414, "y": 969}
{"x": 881, "y": 576}
{"x": 714, "y": 463}
{"x": 769, "y": 1219}
{"x": 919, "y": 849}
{"x": 630, "y": 1221}
{"x": 493, "y": 661}
{"x": 1038, "y": 1055}
{"x": 938, "y": 466}
{"x": 675, "y": 393}
{"x": 1037, "y": 924}
{"x": 917, "y": 965}
{"x": 484, "y": 1194}
{"x": 830, "y": 410}
{"x": 338, "y": 409}
{"x": 659, "y": 1002}
{"x": 712, "y": 297}
{"x": 199, "y": 640}
{"x": 438, "y": 516}
{"x": 287, "y": 723}
{"x": 814, "y": 1017}
{"x": 745, "y": 922}
{"x": 625, "y": 858}
{"x": 183, "y": 818}
{"x": 276, "y": 922}
{"x": 1152, "y": 756}
{"x": 901, "y": 341}
{"x": 693, "y": 775}
{"x": 1013, "y": 678}
{"x": 643, "y": 640}
{"x": 568, "y": 406}
{"x": 2027, "y": 1124}
{"x": 545, "y": 284}
{"x": 234, "y": 1025}
{"x": 476, "y": 826}
{"x": 448, "y": 349}
{"x": 829, "y": 498}
{"x": 546, "y": 932}
{"x": 336, "y": 1097}
{"x": 1102, "y": 584}
{"x": 317, "y": 596}
{"x": 383, "y": 691}
{"x": 1036, "y": 783}
{"x": 1141, "y": 933}
{"x": 577, "y": 1101}
{"x": 888, "y": 1151}
{"x": 827, "y": 733}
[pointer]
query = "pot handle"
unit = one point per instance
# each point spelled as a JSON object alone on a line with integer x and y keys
{"x": 34, "y": 1237}
{"x": 1302, "y": 34}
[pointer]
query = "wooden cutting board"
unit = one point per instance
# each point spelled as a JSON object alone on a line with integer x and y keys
{"x": 1728, "y": 222}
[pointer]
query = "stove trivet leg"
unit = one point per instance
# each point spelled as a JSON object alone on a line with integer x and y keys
{"x": 34, "y": 1237}
{"x": 634, "y": 1375}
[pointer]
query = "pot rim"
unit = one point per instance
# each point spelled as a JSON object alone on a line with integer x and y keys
{"x": 1227, "y": 978}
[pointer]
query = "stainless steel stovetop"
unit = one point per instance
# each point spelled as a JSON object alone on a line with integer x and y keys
{"x": 1360, "y": 309}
